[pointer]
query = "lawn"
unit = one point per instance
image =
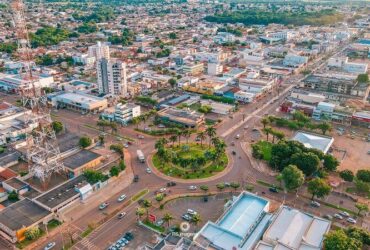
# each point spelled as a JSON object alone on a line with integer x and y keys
{"x": 155, "y": 227}
{"x": 209, "y": 169}
{"x": 265, "y": 147}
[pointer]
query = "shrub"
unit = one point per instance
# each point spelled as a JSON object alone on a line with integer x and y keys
{"x": 85, "y": 142}
{"x": 347, "y": 175}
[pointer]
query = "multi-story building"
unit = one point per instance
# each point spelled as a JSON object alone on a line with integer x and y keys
{"x": 193, "y": 69}
{"x": 99, "y": 51}
{"x": 123, "y": 113}
{"x": 112, "y": 78}
{"x": 350, "y": 67}
{"x": 295, "y": 61}
{"x": 214, "y": 69}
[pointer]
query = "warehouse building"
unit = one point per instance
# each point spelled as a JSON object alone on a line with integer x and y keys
{"x": 80, "y": 102}
{"x": 77, "y": 163}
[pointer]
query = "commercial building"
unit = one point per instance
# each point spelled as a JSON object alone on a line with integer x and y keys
{"x": 80, "y": 102}
{"x": 123, "y": 113}
{"x": 99, "y": 51}
{"x": 291, "y": 229}
{"x": 240, "y": 227}
{"x": 350, "y": 67}
{"x": 112, "y": 78}
{"x": 214, "y": 69}
{"x": 295, "y": 61}
{"x": 361, "y": 119}
{"x": 77, "y": 163}
{"x": 193, "y": 68}
{"x": 184, "y": 117}
{"x": 244, "y": 97}
{"x": 311, "y": 140}
{"x": 217, "y": 107}
{"x": 84, "y": 59}
{"x": 12, "y": 83}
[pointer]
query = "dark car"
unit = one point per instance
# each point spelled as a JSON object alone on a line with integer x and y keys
{"x": 233, "y": 152}
{"x": 129, "y": 236}
{"x": 171, "y": 184}
{"x": 273, "y": 190}
{"x": 205, "y": 198}
{"x": 136, "y": 178}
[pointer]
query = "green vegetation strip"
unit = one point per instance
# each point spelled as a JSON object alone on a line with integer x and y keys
{"x": 87, "y": 231}
{"x": 153, "y": 226}
{"x": 116, "y": 135}
{"x": 139, "y": 194}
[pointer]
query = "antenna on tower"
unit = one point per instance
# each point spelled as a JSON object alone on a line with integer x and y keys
{"x": 43, "y": 153}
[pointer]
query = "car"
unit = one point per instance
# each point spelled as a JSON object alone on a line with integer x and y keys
{"x": 328, "y": 216}
{"x": 49, "y": 246}
{"x": 233, "y": 152}
{"x": 205, "y": 198}
{"x": 136, "y": 178}
{"x": 121, "y": 215}
{"x": 246, "y": 127}
{"x": 124, "y": 240}
{"x": 121, "y": 243}
{"x": 338, "y": 216}
{"x": 162, "y": 190}
{"x": 186, "y": 217}
{"x": 192, "y": 187}
{"x": 140, "y": 136}
{"x": 315, "y": 204}
{"x": 125, "y": 145}
{"x": 103, "y": 205}
{"x": 171, "y": 184}
{"x": 273, "y": 189}
{"x": 159, "y": 222}
{"x": 343, "y": 213}
{"x": 254, "y": 129}
{"x": 148, "y": 170}
{"x": 129, "y": 143}
{"x": 237, "y": 136}
{"x": 226, "y": 184}
{"x": 351, "y": 220}
{"x": 197, "y": 139}
{"x": 191, "y": 212}
{"x": 129, "y": 236}
{"x": 121, "y": 198}
{"x": 161, "y": 126}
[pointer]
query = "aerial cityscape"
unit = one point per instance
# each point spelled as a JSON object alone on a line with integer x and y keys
{"x": 184, "y": 124}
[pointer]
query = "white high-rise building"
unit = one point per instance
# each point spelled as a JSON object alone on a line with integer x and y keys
{"x": 112, "y": 77}
{"x": 99, "y": 51}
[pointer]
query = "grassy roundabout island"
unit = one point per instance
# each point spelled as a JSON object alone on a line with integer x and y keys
{"x": 190, "y": 160}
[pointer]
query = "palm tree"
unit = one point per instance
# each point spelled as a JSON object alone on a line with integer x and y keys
{"x": 279, "y": 135}
{"x": 267, "y": 131}
{"x": 211, "y": 132}
{"x": 202, "y": 136}
{"x": 173, "y": 139}
{"x": 147, "y": 204}
{"x": 167, "y": 218}
{"x": 179, "y": 134}
{"x": 187, "y": 134}
{"x": 140, "y": 212}
{"x": 136, "y": 121}
{"x": 265, "y": 121}
{"x": 196, "y": 220}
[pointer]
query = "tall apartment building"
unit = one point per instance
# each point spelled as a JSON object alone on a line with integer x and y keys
{"x": 99, "y": 51}
{"x": 112, "y": 78}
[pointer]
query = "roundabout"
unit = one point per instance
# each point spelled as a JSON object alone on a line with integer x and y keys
{"x": 190, "y": 161}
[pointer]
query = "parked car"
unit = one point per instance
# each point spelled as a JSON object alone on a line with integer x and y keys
{"x": 159, "y": 222}
{"x": 136, "y": 178}
{"x": 192, "y": 187}
{"x": 233, "y": 152}
{"x": 125, "y": 145}
{"x": 186, "y": 217}
{"x": 273, "y": 189}
{"x": 227, "y": 184}
{"x": 315, "y": 204}
{"x": 49, "y": 246}
{"x": 162, "y": 190}
{"x": 197, "y": 139}
{"x": 161, "y": 126}
{"x": 343, "y": 213}
{"x": 148, "y": 170}
{"x": 121, "y": 198}
{"x": 237, "y": 136}
{"x": 191, "y": 212}
{"x": 328, "y": 216}
{"x": 140, "y": 136}
{"x": 338, "y": 216}
{"x": 351, "y": 220}
{"x": 103, "y": 205}
{"x": 246, "y": 127}
{"x": 205, "y": 198}
{"x": 121, "y": 215}
{"x": 129, "y": 236}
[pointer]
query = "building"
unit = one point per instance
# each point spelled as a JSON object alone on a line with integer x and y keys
{"x": 193, "y": 68}
{"x": 311, "y": 140}
{"x": 323, "y": 110}
{"x": 112, "y": 78}
{"x": 295, "y": 61}
{"x": 224, "y": 37}
{"x": 240, "y": 227}
{"x": 123, "y": 113}
{"x": 217, "y": 107}
{"x": 214, "y": 69}
{"x": 361, "y": 119}
{"x": 99, "y": 51}
{"x": 80, "y": 102}
{"x": 187, "y": 118}
{"x": 77, "y": 163}
{"x": 350, "y": 67}
{"x": 291, "y": 229}
{"x": 12, "y": 83}
{"x": 85, "y": 59}
{"x": 244, "y": 97}
{"x": 284, "y": 35}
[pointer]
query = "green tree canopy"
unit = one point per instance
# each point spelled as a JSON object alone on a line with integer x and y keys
{"x": 330, "y": 163}
{"x": 318, "y": 187}
{"x": 347, "y": 175}
{"x": 57, "y": 126}
{"x": 338, "y": 240}
{"x": 293, "y": 177}
{"x": 363, "y": 78}
{"x": 85, "y": 141}
{"x": 363, "y": 175}
{"x": 307, "y": 162}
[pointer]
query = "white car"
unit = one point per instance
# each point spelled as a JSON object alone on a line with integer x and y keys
{"x": 49, "y": 246}
{"x": 237, "y": 136}
{"x": 351, "y": 220}
{"x": 192, "y": 187}
{"x": 148, "y": 170}
{"x": 345, "y": 214}
{"x": 121, "y": 198}
{"x": 121, "y": 215}
{"x": 191, "y": 212}
{"x": 162, "y": 190}
{"x": 315, "y": 204}
{"x": 338, "y": 216}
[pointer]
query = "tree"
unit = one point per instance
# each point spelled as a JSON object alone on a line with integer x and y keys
{"x": 363, "y": 78}
{"x": 57, "y": 126}
{"x": 279, "y": 135}
{"x": 362, "y": 187}
{"x": 172, "y": 35}
{"x": 318, "y": 187}
{"x": 220, "y": 186}
{"x": 13, "y": 196}
{"x": 122, "y": 165}
{"x": 265, "y": 121}
{"x": 330, "y": 163}
{"x": 361, "y": 207}
{"x": 179, "y": 134}
{"x": 204, "y": 188}
{"x": 136, "y": 121}
{"x": 211, "y": 132}
{"x": 159, "y": 197}
{"x": 338, "y": 240}
{"x": 347, "y": 175}
{"x": 167, "y": 218}
{"x": 307, "y": 162}
{"x": 205, "y": 109}
{"x": 173, "y": 139}
{"x": 187, "y": 134}
{"x": 267, "y": 131}
{"x": 101, "y": 139}
{"x": 147, "y": 204}
{"x": 140, "y": 212}
{"x": 201, "y": 136}
{"x": 363, "y": 175}
{"x": 195, "y": 219}
{"x": 114, "y": 171}
{"x": 359, "y": 234}
{"x": 324, "y": 127}
{"x": 32, "y": 233}
{"x": 85, "y": 141}
{"x": 118, "y": 148}
{"x": 172, "y": 82}
{"x": 235, "y": 185}
{"x": 293, "y": 177}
